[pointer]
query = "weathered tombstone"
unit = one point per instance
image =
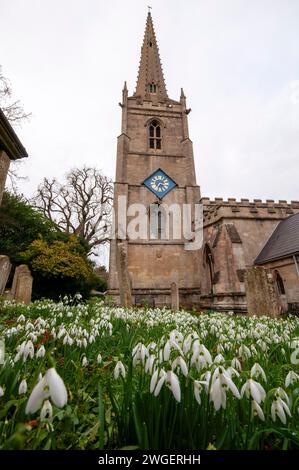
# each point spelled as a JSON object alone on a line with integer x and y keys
{"x": 123, "y": 276}
{"x": 262, "y": 297}
{"x": 5, "y": 268}
{"x": 21, "y": 289}
{"x": 175, "y": 300}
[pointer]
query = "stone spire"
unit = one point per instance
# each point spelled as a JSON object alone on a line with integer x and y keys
{"x": 150, "y": 82}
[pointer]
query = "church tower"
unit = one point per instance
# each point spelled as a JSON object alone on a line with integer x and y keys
{"x": 154, "y": 169}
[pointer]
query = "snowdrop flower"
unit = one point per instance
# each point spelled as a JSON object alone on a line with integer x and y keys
{"x": 46, "y": 411}
{"x": 280, "y": 408}
{"x": 172, "y": 381}
{"x": 39, "y": 377}
{"x": 27, "y": 350}
{"x": 152, "y": 346}
{"x": 281, "y": 393}
{"x": 84, "y": 361}
{"x": 201, "y": 356}
{"x": 40, "y": 352}
{"x": 149, "y": 364}
{"x": 51, "y": 385}
{"x": 1, "y": 392}
{"x": 99, "y": 359}
{"x": 291, "y": 378}
{"x": 166, "y": 351}
{"x": 219, "y": 359}
{"x": 180, "y": 362}
{"x": 253, "y": 388}
{"x": 119, "y": 370}
{"x": 139, "y": 353}
{"x": 198, "y": 386}
{"x": 235, "y": 363}
{"x": 91, "y": 339}
{"x": 84, "y": 343}
{"x": 231, "y": 372}
{"x": 154, "y": 379}
{"x": 21, "y": 319}
{"x": 256, "y": 410}
{"x": 257, "y": 370}
{"x": 221, "y": 382}
{"x": 23, "y": 387}
{"x": 244, "y": 352}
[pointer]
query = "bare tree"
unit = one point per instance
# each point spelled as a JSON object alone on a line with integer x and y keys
{"x": 12, "y": 109}
{"x": 82, "y": 206}
{"x": 14, "y": 112}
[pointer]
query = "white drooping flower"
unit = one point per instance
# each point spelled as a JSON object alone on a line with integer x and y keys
{"x": 41, "y": 351}
{"x": 173, "y": 383}
{"x": 171, "y": 380}
{"x": 99, "y": 358}
{"x": 198, "y": 386}
{"x": 280, "y": 408}
{"x": 1, "y": 392}
{"x": 256, "y": 410}
{"x": 219, "y": 359}
{"x": 84, "y": 361}
{"x": 46, "y": 411}
{"x": 51, "y": 385}
{"x": 149, "y": 364}
{"x": 291, "y": 378}
{"x": 221, "y": 382}
{"x": 23, "y": 387}
{"x": 253, "y": 389}
{"x": 119, "y": 370}
{"x": 256, "y": 371}
{"x": 180, "y": 362}
{"x": 139, "y": 353}
{"x": 235, "y": 363}
{"x": 244, "y": 352}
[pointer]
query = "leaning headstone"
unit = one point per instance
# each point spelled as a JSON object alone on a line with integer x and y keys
{"x": 261, "y": 295}
{"x": 21, "y": 289}
{"x": 5, "y": 268}
{"x": 123, "y": 276}
{"x": 175, "y": 302}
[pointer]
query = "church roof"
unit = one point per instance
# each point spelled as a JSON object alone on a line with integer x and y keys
{"x": 283, "y": 242}
{"x": 9, "y": 141}
{"x": 150, "y": 68}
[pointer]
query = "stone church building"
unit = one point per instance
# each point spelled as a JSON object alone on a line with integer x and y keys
{"x": 155, "y": 167}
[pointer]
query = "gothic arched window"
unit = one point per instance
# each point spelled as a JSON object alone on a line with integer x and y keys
{"x": 152, "y": 88}
{"x": 209, "y": 263}
{"x": 155, "y": 136}
{"x": 279, "y": 283}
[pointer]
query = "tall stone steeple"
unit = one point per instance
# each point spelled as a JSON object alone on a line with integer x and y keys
{"x": 150, "y": 82}
{"x": 154, "y": 172}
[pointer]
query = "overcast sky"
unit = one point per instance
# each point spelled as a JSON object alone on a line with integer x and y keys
{"x": 237, "y": 60}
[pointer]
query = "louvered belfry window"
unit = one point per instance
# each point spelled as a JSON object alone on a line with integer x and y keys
{"x": 155, "y": 136}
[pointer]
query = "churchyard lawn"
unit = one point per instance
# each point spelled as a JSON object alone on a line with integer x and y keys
{"x": 92, "y": 376}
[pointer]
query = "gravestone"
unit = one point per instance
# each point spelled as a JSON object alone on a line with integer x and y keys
{"x": 175, "y": 302}
{"x": 5, "y": 268}
{"x": 123, "y": 276}
{"x": 21, "y": 289}
{"x": 262, "y": 297}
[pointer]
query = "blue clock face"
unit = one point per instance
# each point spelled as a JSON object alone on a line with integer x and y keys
{"x": 159, "y": 183}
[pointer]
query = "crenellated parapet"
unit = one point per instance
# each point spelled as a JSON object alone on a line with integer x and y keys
{"x": 231, "y": 208}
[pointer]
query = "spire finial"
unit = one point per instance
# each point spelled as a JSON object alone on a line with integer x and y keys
{"x": 149, "y": 9}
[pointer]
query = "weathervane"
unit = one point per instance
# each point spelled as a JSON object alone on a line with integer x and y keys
{"x": 149, "y": 8}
